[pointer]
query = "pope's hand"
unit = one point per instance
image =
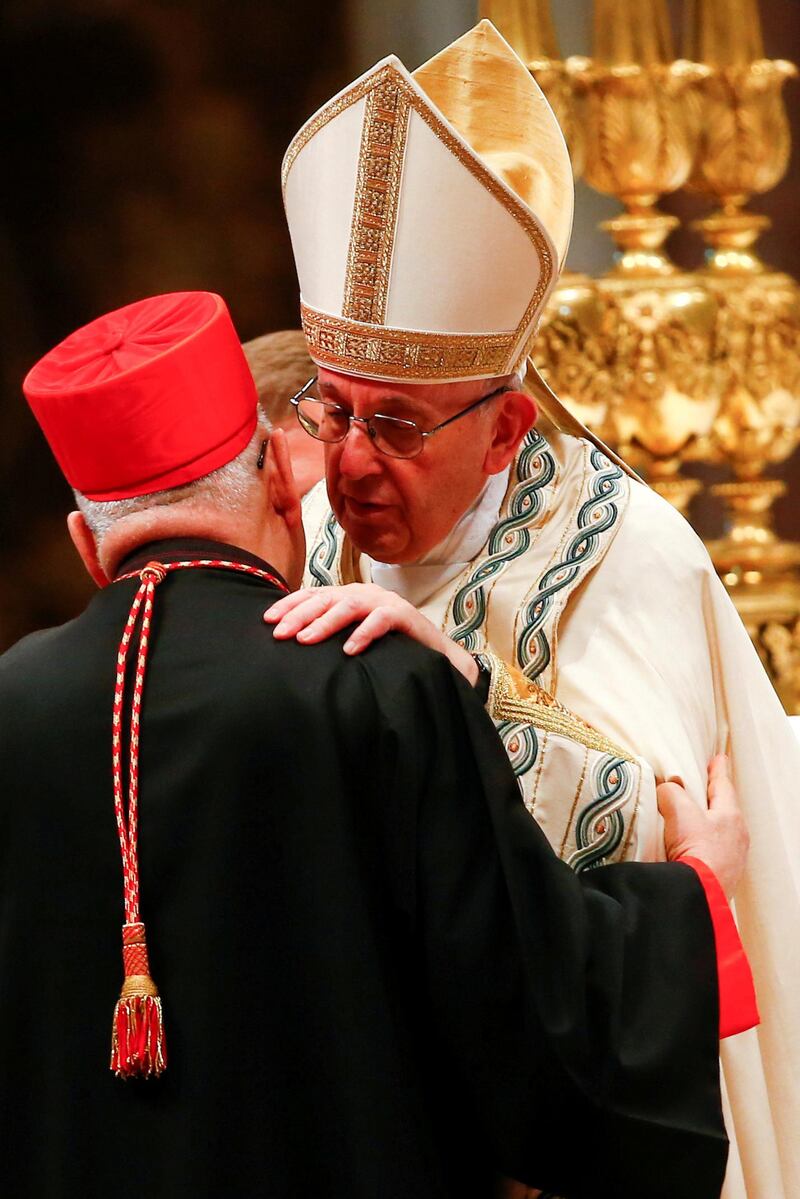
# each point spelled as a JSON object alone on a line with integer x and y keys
{"x": 316, "y": 613}
{"x": 718, "y": 835}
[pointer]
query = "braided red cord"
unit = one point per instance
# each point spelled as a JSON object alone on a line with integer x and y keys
{"x": 128, "y": 821}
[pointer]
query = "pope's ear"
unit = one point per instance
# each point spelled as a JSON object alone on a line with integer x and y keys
{"x": 515, "y": 414}
{"x": 83, "y": 540}
{"x": 283, "y": 493}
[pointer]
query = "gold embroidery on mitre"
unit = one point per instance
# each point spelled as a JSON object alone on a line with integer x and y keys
{"x": 514, "y": 697}
{"x": 322, "y": 118}
{"x": 380, "y": 165}
{"x": 361, "y": 348}
{"x": 365, "y": 347}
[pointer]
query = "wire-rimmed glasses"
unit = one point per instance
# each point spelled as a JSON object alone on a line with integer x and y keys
{"x": 391, "y": 435}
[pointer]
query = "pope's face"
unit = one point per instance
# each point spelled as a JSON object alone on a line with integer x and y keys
{"x": 397, "y": 509}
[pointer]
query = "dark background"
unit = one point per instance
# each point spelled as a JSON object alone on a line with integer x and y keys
{"x": 140, "y": 150}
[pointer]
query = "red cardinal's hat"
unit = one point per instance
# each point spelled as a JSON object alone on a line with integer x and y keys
{"x": 151, "y": 396}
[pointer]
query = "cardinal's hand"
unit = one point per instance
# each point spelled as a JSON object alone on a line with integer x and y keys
{"x": 315, "y": 613}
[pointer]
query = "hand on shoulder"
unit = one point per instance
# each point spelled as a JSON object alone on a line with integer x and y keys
{"x": 313, "y": 614}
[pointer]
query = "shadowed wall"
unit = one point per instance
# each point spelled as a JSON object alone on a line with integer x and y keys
{"x": 143, "y": 145}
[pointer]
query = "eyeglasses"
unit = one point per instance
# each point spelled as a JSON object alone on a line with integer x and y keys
{"x": 390, "y": 434}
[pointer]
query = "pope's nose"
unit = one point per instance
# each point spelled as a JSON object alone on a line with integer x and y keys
{"x": 359, "y": 456}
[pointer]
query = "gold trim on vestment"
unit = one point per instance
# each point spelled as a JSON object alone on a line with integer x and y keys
{"x": 514, "y": 697}
{"x": 568, "y": 827}
{"x": 380, "y": 165}
{"x": 530, "y": 803}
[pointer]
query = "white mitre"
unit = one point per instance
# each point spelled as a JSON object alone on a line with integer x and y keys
{"x": 430, "y": 215}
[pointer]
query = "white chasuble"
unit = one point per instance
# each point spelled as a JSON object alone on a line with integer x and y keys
{"x": 618, "y": 657}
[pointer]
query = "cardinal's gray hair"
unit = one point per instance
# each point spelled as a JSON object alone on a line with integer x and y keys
{"x": 230, "y": 488}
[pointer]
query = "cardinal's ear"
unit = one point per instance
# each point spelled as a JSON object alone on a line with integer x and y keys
{"x": 84, "y": 542}
{"x": 283, "y": 493}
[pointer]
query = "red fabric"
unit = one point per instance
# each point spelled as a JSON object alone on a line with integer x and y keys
{"x": 738, "y": 1009}
{"x": 151, "y": 396}
{"x": 138, "y": 1045}
{"x": 134, "y": 950}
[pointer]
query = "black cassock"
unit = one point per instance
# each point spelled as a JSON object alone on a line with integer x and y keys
{"x": 378, "y": 980}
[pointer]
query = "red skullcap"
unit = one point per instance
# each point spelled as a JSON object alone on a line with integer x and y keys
{"x": 154, "y": 395}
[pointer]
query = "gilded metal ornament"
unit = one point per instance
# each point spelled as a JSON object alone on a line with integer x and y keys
{"x": 675, "y": 367}
{"x": 744, "y": 148}
{"x": 632, "y": 352}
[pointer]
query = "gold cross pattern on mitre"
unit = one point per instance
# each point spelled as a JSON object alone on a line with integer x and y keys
{"x": 429, "y": 215}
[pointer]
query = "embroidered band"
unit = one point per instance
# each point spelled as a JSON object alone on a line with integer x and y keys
{"x": 512, "y": 697}
{"x": 380, "y": 165}
{"x": 358, "y": 348}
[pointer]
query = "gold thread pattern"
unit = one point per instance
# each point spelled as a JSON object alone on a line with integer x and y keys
{"x": 380, "y": 165}
{"x": 571, "y": 821}
{"x": 363, "y": 348}
{"x": 539, "y": 771}
{"x": 366, "y": 349}
{"x": 514, "y": 697}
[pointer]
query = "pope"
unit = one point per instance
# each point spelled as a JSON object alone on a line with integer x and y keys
{"x": 430, "y": 215}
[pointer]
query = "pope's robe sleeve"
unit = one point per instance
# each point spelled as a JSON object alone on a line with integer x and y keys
{"x": 579, "y": 1013}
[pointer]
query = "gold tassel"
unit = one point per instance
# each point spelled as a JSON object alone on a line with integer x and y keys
{"x": 138, "y": 1045}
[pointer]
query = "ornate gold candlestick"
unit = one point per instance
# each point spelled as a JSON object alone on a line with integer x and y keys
{"x": 671, "y": 366}
{"x": 744, "y": 148}
{"x": 631, "y": 355}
